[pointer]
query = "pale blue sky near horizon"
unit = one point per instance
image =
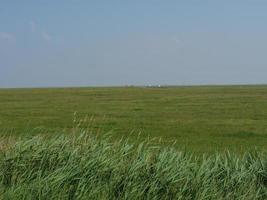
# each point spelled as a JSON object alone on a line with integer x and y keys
{"x": 106, "y": 43}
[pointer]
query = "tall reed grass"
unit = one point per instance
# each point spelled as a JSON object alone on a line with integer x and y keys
{"x": 85, "y": 166}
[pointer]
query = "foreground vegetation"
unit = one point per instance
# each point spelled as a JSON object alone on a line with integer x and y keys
{"x": 201, "y": 119}
{"x": 85, "y": 166}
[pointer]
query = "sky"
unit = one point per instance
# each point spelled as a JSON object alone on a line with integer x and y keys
{"x": 52, "y": 43}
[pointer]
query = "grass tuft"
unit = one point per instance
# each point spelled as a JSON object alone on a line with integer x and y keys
{"x": 85, "y": 166}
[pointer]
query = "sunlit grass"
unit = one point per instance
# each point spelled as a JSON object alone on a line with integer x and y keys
{"x": 202, "y": 119}
{"x": 82, "y": 165}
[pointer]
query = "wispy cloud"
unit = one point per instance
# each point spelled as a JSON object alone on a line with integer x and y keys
{"x": 43, "y": 34}
{"x": 7, "y": 36}
{"x": 176, "y": 40}
{"x": 33, "y": 26}
{"x": 46, "y": 36}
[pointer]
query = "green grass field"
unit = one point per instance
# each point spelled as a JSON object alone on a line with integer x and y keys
{"x": 81, "y": 166}
{"x": 201, "y": 119}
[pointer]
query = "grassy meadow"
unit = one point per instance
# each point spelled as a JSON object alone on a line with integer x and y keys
{"x": 201, "y": 142}
{"x": 83, "y": 166}
{"x": 198, "y": 118}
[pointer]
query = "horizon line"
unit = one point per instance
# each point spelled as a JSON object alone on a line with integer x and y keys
{"x": 139, "y": 86}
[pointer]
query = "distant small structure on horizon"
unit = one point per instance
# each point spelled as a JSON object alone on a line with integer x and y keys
{"x": 148, "y": 86}
{"x": 154, "y": 86}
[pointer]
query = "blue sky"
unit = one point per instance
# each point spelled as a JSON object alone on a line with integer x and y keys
{"x": 98, "y": 43}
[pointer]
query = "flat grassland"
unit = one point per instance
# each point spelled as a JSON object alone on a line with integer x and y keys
{"x": 198, "y": 118}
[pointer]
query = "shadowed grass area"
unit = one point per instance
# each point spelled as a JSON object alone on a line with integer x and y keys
{"x": 244, "y": 134}
{"x": 202, "y": 119}
{"x": 84, "y": 166}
